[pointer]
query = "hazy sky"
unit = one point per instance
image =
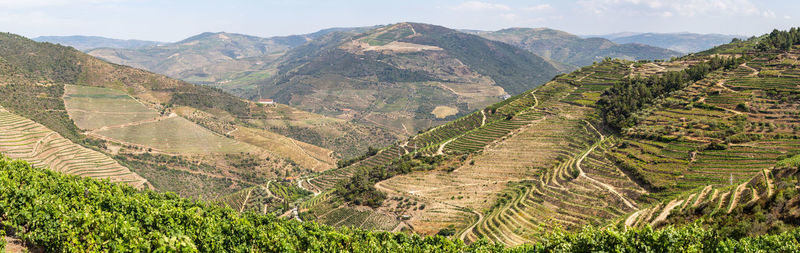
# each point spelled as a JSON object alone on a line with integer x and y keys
{"x": 168, "y": 20}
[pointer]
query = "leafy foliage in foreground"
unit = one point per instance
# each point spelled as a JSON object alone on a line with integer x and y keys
{"x": 66, "y": 213}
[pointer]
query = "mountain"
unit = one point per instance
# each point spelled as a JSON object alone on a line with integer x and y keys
{"x": 681, "y": 42}
{"x": 709, "y": 137}
{"x": 84, "y": 43}
{"x": 207, "y": 57}
{"x": 567, "y": 48}
{"x": 74, "y": 113}
{"x": 406, "y": 76}
{"x": 221, "y": 59}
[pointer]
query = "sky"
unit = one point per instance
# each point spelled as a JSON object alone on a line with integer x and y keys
{"x": 174, "y": 20}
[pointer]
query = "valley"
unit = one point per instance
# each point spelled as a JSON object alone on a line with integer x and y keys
{"x": 546, "y": 159}
{"x": 405, "y": 137}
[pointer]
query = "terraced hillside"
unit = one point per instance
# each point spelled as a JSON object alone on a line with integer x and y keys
{"x": 488, "y": 131}
{"x": 514, "y": 191}
{"x": 21, "y": 138}
{"x": 549, "y": 158}
{"x": 722, "y": 199}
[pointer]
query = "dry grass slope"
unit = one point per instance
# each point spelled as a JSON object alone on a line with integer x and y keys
{"x": 21, "y": 138}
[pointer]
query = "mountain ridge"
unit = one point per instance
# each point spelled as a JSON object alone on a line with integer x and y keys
{"x": 571, "y": 49}
{"x": 83, "y": 42}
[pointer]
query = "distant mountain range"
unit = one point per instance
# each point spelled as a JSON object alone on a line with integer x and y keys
{"x": 573, "y": 50}
{"x": 83, "y": 43}
{"x": 414, "y": 75}
{"x": 406, "y": 76}
{"x": 681, "y": 42}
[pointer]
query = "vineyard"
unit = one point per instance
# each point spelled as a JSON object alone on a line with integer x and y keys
{"x": 717, "y": 199}
{"x": 22, "y": 138}
{"x": 116, "y": 217}
{"x": 727, "y": 127}
{"x": 710, "y": 138}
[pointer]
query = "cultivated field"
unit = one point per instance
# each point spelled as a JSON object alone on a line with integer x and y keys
{"x": 21, "y": 138}
{"x": 93, "y": 107}
{"x": 176, "y": 135}
{"x": 112, "y": 114}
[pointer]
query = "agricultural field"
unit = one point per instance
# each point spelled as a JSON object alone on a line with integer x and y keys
{"x": 21, "y": 138}
{"x": 304, "y": 154}
{"x": 176, "y": 135}
{"x": 94, "y": 107}
{"x": 113, "y": 115}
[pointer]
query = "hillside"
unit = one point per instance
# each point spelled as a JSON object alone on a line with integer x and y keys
{"x": 221, "y": 59}
{"x": 123, "y": 219}
{"x": 681, "y": 42}
{"x": 616, "y": 143}
{"x": 575, "y": 51}
{"x": 104, "y": 120}
{"x": 84, "y": 43}
{"x": 205, "y": 58}
{"x": 405, "y": 77}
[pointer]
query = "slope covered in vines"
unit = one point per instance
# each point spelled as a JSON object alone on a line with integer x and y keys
{"x": 58, "y": 212}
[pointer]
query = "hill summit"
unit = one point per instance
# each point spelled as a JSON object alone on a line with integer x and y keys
{"x": 405, "y": 76}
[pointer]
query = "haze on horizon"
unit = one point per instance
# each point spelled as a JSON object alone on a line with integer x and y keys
{"x": 176, "y": 20}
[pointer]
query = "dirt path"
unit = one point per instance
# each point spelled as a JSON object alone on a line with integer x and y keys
{"x": 629, "y": 222}
{"x": 483, "y": 121}
{"x": 471, "y": 227}
{"x": 231, "y": 131}
{"x": 266, "y": 188}
{"x": 583, "y": 77}
{"x": 632, "y": 70}
{"x": 308, "y": 181}
{"x": 702, "y": 195}
{"x": 246, "y": 198}
{"x": 735, "y": 199}
{"x": 755, "y": 71}
{"x": 451, "y": 90}
{"x": 665, "y": 212}
{"x": 770, "y": 187}
{"x": 583, "y": 174}
{"x": 39, "y": 142}
{"x": 441, "y": 147}
{"x": 721, "y": 84}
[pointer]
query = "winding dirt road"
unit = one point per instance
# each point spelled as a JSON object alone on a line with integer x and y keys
{"x": 582, "y": 174}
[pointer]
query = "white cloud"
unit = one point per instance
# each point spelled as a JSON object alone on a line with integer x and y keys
{"x": 482, "y": 6}
{"x": 668, "y": 8}
{"x": 540, "y": 7}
